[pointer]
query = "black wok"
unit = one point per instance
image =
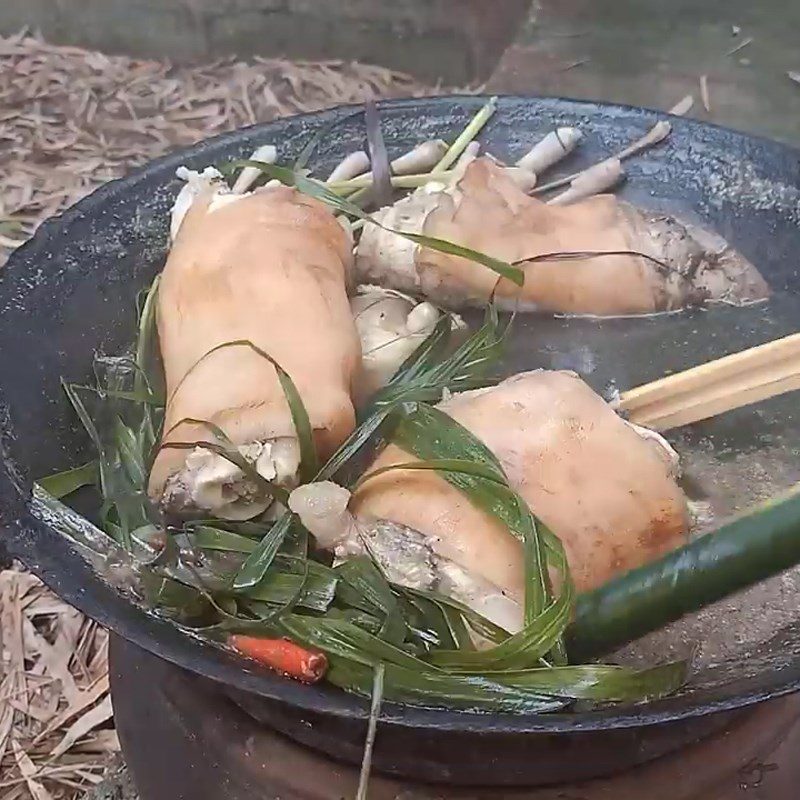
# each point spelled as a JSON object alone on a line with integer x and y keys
{"x": 70, "y": 291}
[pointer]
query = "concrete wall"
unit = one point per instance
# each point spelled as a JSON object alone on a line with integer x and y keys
{"x": 456, "y": 40}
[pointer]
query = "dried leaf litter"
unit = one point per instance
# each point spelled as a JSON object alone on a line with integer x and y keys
{"x": 55, "y": 734}
{"x": 71, "y": 119}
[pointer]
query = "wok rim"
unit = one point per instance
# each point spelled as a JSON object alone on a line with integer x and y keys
{"x": 25, "y": 534}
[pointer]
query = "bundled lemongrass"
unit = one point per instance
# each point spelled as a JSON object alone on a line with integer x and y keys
{"x": 566, "y": 452}
{"x": 352, "y": 173}
{"x": 448, "y": 164}
{"x": 431, "y": 160}
{"x": 262, "y": 276}
{"x": 600, "y": 256}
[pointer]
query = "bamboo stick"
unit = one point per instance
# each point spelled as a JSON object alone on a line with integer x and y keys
{"x": 727, "y": 383}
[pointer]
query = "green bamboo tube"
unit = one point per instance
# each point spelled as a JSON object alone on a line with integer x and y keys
{"x": 747, "y": 550}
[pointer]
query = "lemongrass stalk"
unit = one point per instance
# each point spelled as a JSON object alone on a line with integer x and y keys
{"x": 466, "y": 136}
{"x": 358, "y": 194}
{"x": 654, "y": 136}
{"x": 349, "y": 167}
{"x": 595, "y": 180}
{"x": 550, "y": 150}
{"x": 683, "y": 106}
{"x": 372, "y": 727}
{"x": 5, "y": 241}
{"x": 422, "y": 158}
{"x": 248, "y": 176}
{"x": 398, "y": 181}
{"x": 470, "y": 153}
{"x": 419, "y": 159}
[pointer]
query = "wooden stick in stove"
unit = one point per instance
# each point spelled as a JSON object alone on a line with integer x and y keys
{"x": 725, "y": 384}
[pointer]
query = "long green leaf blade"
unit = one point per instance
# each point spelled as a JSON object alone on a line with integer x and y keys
{"x": 322, "y": 133}
{"x": 598, "y": 682}
{"x": 207, "y": 537}
{"x": 431, "y": 434}
{"x": 421, "y": 379}
{"x": 362, "y": 579}
{"x": 312, "y": 591}
{"x": 64, "y": 483}
{"x": 455, "y": 465}
{"x": 146, "y": 341}
{"x": 89, "y": 426}
{"x": 430, "y": 430}
{"x": 527, "y": 691}
{"x": 302, "y": 426}
{"x": 520, "y": 651}
{"x": 431, "y": 689}
{"x": 259, "y": 561}
{"x": 424, "y": 378}
{"x": 482, "y": 626}
{"x": 428, "y": 354}
{"x": 502, "y": 268}
{"x": 362, "y": 574}
{"x": 356, "y": 442}
{"x": 297, "y": 409}
{"x": 130, "y": 454}
{"x": 338, "y": 637}
{"x": 437, "y": 625}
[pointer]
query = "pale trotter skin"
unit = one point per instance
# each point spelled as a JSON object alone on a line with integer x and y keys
{"x": 605, "y": 490}
{"x": 271, "y": 267}
{"x": 486, "y": 211}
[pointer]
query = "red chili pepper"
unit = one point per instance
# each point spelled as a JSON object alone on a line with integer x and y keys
{"x": 284, "y": 656}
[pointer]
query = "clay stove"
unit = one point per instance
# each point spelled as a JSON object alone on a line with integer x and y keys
{"x": 185, "y": 739}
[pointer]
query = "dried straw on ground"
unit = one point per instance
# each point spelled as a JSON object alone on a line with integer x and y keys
{"x": 69, "y": 121}
{"x": 55, "y": 711}
{"x": 72, "y": 119}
